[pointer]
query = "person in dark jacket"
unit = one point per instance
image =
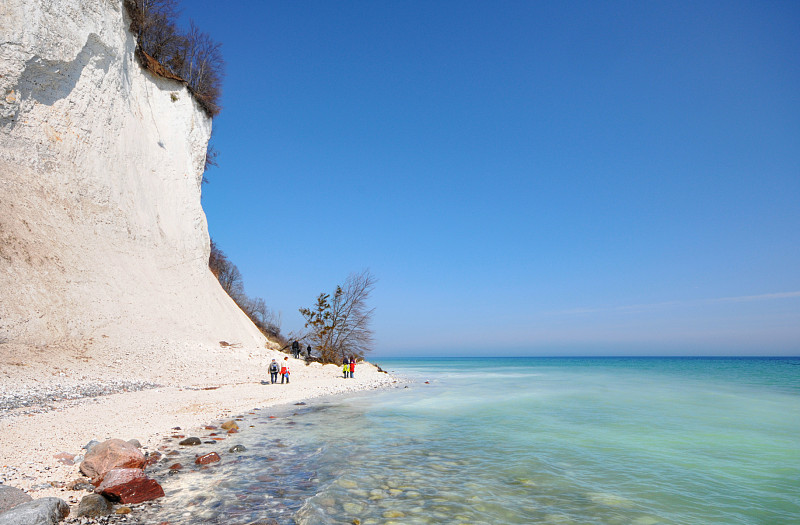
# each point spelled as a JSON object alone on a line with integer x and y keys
{"x": 295, "y": 349}
{"x": 273, "y": 372}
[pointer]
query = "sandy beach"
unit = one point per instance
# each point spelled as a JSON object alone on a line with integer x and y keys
{"x": 33, "y": 436}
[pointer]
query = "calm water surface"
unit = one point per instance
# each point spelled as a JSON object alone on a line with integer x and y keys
{"x": 519, "y": 440}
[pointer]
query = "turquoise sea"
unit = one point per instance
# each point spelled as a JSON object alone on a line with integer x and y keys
{"x": 520, "y": 440}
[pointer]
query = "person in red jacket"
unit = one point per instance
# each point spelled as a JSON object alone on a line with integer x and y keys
{"x": 352, "y": 366}
{"x": 285, "y": 370}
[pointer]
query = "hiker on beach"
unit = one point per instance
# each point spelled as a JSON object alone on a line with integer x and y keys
{"x": 285, "y": 370}
{"x": 352, "y": 366}
{"x": 296, "y": 349}
{"x": 308, "y": 352}
{"x": 345, "y": 367}
{"x": 273, "y": 372}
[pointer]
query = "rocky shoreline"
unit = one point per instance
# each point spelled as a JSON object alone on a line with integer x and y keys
{"x": 51, "y": 473}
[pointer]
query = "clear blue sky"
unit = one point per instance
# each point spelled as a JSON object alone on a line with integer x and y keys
{"x": 522, "y": 177}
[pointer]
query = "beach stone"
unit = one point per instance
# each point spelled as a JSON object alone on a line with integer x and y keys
{"x": 123, "y": 510}
{"x": 264, "y": 521}
{"x": 393, "y": 514}
{"x": 228, "y": 425}
{"x": 211, "y": 457}
{"x": 237, "y": 448}
{"x": 80, "y": 484}
{"x": 190, "y": 441}
{"x": 109, "y": 455}
{"x": 135, "y": 443}
{"x": 152, "y": 458}
{"x": 42, "y": 511}
{"x": 10, "y": 497}
{"x": 352, "y": 507}
{"x": 93, "y": 505}
{"x": 65, "y": 458}
{"x": 129, "y": 485}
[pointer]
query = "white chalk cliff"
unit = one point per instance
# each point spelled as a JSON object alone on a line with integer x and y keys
{"x": 103, "y": 242}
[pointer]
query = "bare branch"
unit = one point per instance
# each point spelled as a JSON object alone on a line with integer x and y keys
{"x": 340, "y": 328}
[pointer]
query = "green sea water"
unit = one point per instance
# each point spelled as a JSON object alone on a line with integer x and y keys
{"x": 523, "y": 440}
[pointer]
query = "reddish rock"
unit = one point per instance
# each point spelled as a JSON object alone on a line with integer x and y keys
{"x": 108, "y": 455}
{"x": 218, "y": 439}
{"x": 212, "y": 457}
{"x": 210, "y": 427}
{"x": 152, "y": 458}
{"x": 176, "y": 466}
{"x": 233, "y": 431}
{"x": 129, "y": 485}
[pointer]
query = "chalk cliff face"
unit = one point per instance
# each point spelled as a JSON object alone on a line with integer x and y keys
{"x": 103, "y": 241}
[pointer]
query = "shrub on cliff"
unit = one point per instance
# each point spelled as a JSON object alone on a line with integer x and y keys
{"x": 193, "y": 56}
{"x": 230, "y": 278}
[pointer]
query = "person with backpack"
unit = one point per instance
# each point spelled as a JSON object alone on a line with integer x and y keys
{"x": 296, "y": 349}
{"x": 273, "y": 372}
{"x": 285, "y": 370}
{"x": 345, "y": 367}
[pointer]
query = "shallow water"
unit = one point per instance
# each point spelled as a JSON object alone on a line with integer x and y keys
{"x": 519, "y": 440}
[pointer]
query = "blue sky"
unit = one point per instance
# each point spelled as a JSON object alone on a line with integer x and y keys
{"x": 551, "y": 178}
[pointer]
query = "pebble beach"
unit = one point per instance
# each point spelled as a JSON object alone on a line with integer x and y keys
{"x": 47, "y": 424}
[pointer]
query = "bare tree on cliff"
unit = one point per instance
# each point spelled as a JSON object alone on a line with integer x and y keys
{"x": 193, "y": 56}
{"x": 201, "y": 65}
{"x": 153, "y": 23}
{"x": 339, "y": 324}
{"x": 230, "y": 278}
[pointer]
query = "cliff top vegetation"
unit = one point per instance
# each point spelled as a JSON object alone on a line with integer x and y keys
{"x": 191, "y": 56}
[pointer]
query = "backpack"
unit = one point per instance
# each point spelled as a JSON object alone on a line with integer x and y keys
{"x": 273, "y": 367}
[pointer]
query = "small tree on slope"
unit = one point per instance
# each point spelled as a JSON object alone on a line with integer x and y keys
{"x": 339, "y": 324}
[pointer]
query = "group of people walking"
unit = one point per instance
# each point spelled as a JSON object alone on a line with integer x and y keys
{"x": 282, "y": 368}
{"x": 296, "y": 350}
{"x": 275, "y": 369}
{"x": 349, "y": 366}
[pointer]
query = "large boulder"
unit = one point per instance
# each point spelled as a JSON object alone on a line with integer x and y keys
{"x": 129, "y": 485}
{"x": 42, "y": 511}
{"x": 109, "y": 455}
{"x": 10, "y": 497}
